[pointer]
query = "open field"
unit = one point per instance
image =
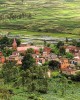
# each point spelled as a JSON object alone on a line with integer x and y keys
{"x": 52, "y": 16}
{"x": 29, "y": 33}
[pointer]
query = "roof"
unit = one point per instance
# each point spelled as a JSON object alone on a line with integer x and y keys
{"x": 71, "y": 47}
{"x": 27, "y": 47}
{"x": 68, "y": 69}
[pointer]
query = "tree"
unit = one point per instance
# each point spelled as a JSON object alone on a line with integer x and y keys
{"x": 45, "y": 42}
{"x": 30, "y": 50}
{"x": 53, "y": 64}
{"x": 59, "y": 44}
{"x": 7, "y": 52}
{"x": 48, "y": 44}
{"x": 9, "y": 72}
{"x": 4, "y": 42}
{"x": 27, "y": 61}
{"x": 74, "y": 42}
{"x": 66, "y": 39}
{"x": 55, "y": 50}
{"x": 17, "y": 41}
{"x": 63, "y": 85}
{"x": 78, "y": 44}
{"x": 69, "y": 55}
{"x": 35, "y": 79}
{"x": 76, "y": 77}
{"x": 62, "y": 51}
{"x": 41, "y": 50}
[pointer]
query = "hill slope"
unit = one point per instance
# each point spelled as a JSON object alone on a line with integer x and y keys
{"x": 56, "y": 16}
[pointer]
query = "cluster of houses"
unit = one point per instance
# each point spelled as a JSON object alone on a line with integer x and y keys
{"x": 70, "y": 66}
{"x": 67, "y": 66}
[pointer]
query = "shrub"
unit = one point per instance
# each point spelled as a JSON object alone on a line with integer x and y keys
{"x": 32, "y": 96}
{"x": 76, "y": 77}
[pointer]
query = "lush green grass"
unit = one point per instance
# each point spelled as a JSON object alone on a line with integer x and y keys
{"x": 29, "y": 33}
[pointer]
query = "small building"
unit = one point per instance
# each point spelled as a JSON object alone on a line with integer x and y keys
{"x": 64, "y": 63}
{"x": 47, "y": 49}
{"x": 2, "y": 58}
{"x": 69, "y": 71}
{"x": 72, "y": 49}
{"x": 40, "y": 60}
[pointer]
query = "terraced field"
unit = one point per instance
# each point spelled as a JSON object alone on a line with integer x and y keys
{"x": 52, "y": 16}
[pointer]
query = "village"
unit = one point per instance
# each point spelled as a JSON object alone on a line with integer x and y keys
{"x": 39, "y": 49}
{"x": 44, "y": 53}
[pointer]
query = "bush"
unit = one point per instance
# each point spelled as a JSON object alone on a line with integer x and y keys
{"x": 34, "y": 97}
{"x": 76, "y": 77}
{"x": 69, "y": 81}
{"x": 55, "y": 74}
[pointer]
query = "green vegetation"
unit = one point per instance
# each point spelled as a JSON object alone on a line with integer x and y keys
{"x": 69, "y": 55}
{"x": 72, "y": 92}
{"x": 52, "y": 16}
{"x": 29, "y": 33}
{"x": 31, "y": 82}
{"x": 27, "y": 61}
{"x": 53, "y": 64}
{"x": 5, "y": 43}
{"x": 56, "y": 18}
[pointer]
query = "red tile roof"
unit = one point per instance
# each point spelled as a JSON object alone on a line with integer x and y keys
{"x": 27, "y": 47}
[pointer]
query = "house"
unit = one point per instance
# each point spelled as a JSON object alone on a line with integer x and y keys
{"x": 44, "y": 54}
{"x": 69, "y": 71}
{"x": 2, "y": 58}
{"x": 23, "y": 49}
{"x": 72, "y": 49}
{"x": 15, "y": 57}
{"x": 47, "y": 49}
{"x": 40, "y": 61}
{"x": 64, "y": 63}
{"x": 77, "y": 60}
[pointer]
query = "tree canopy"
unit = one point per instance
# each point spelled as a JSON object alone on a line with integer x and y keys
{"x": 27, "y": 61}
{"x": 59, "y": 44}
{"x": 53, "y": 64}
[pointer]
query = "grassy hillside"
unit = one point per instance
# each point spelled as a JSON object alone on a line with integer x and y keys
{"x": 72, "y": 92}
{"x": 55, "y": 16}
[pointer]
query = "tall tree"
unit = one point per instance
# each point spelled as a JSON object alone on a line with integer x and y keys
{"x": 59, "y": 44}
{"x": 35, "y": 79}
{"x": 27, "y": 61}
{"x": 78, "y": 44}
{"x": 4, "y": 41}
{"x": 30, "y": 50}
{"x": 9, "y": 72}
{"x": 53, "y": 64}
{"x": 62, "y": 51}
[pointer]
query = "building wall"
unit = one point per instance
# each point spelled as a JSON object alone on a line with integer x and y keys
{"x": 64, "y": 63}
